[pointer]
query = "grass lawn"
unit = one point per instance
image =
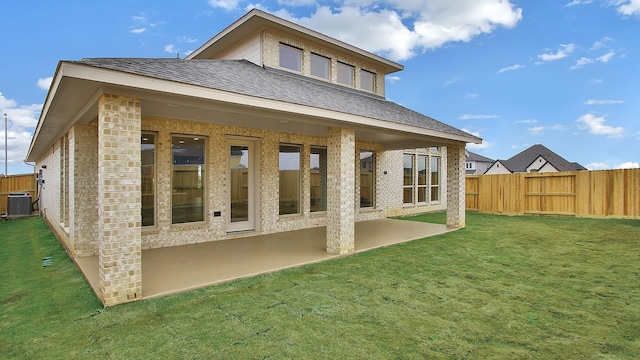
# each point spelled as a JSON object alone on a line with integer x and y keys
{"x": 503, "y": 288}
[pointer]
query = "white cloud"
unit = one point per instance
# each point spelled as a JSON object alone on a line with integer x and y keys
{"x": 485, "y": 144}
{"x": 138, "y": 30}
{"x": 606, "y": 57}
{"x": 601, "y": 43}
{"x": 603, "y": 102}
{"x": 511, "y": 68}
{"x": 171, "y": 49}
{"x": 477, "y": 117}
{"x": 596, "y": 81}
{"x": 225, "y": 4}
{"x": 627, "y": 7}
{"x": 563, "y": 52}
{"x": 45, "y": 83}
{"x": 628, "y": 165}
{"x": 297, "y": 2}
{"x": 536, "y": 130}
{"x": 471, "y": 96}
{"x": 392, "y": 79}
{"x": 526, "y": 121}
{"x": 605, "y": 165}
{"x": 22, "y": 120}
{"x": 595, "y": 125}
{"x": 597, "y": 166}
{"x": 579, "y": 2}
{"x": 581, "y": 62}
{"x": 403, "y": 28}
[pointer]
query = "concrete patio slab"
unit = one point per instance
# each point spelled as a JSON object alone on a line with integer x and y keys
{"x": 176, "y": 269}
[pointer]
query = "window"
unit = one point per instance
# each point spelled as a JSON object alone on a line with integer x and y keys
{"x": 345, "y": 74}
{"x": 407, "y": 184}
{"x": 418, "y": 186}
{"x": 290, "y": 58}
{"x": 470, "y": 165}
{"x": 289, "y": 179}
{"x": 148, "y": 177}
{"x": 188, "y": 180}
{"x": 318, "y": 179}
{"x": 435, "y": 178}
{"x": 367, "y": 80}
{"x": 423, "y": 162}
{"x": 367, "y": 178}
{"x": 320, "y": 66}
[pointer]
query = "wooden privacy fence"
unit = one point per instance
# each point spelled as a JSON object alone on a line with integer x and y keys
{"x": 16, "y": 183}
{"x": 607, "y": 193}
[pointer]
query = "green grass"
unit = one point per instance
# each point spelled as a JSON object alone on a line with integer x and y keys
{"x": 503, "y": 288}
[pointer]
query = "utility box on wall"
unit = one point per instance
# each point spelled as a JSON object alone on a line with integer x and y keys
{"x": 19, "y": 204}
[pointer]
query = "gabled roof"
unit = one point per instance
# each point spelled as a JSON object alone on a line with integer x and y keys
{"x": 246, "y": 78}
{"x": 257, "y": 20}
{"x": 521, "y": 161}
{"x": 478, "y": 158}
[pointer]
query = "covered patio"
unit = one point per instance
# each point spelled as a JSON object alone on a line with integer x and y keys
{"x": 176, "y": 269}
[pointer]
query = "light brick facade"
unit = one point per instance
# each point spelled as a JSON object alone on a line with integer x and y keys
{"x": 456, "y": 159}
{"x": 92, "y": 174}
{"x": 341, "y": 197}
{"x": 119, "y": 219}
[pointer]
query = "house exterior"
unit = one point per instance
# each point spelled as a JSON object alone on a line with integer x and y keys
{"x": 268, "y": 127}
{"x": 477, "y": 164}
{"x": 537, "y": 158}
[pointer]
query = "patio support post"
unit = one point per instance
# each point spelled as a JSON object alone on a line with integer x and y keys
{"x": 341, "y": 174}
{"x": 456, "y": 182}
{"x": 83, "y": 189}
{"x": 119, "y": 184}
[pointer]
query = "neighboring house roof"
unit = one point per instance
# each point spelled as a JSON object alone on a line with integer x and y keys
{"x": 478, "y": 158}
{"x": 244, "y": 77}
{"x": 521, "y": 161}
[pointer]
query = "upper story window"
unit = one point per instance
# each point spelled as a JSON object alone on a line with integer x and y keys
{"x": 320, "y": 66}
{"x": 345, "y": 74}
{"x": 367, "y": 80}
{"x": 290, "y": 58}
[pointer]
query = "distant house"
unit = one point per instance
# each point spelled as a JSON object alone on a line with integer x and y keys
{"x": 534, "y": 159}
{"x": 477, "y": 164}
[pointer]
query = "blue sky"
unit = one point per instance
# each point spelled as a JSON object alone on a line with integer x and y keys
{"x": 562, "y": 73}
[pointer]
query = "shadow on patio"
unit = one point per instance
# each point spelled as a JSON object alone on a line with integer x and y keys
{"x": 176, "y": 269}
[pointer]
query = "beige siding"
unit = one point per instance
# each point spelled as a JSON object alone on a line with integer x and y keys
{"x": 249, "y": 49}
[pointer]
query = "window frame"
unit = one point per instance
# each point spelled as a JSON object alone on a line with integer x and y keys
{"x": 292, "y": 50}
{"x": 299, "y": 185}
{"x": 415, "y": 186}
{"x": 373, "y": 179}
{"x": 343, "y": 66}
{"x": 322, "y": 178}
{"x": 327, "y": 69}
{"x": 373, "y": 80}
{"x": 202, "y": 179}
{"x": 154, "y": 190}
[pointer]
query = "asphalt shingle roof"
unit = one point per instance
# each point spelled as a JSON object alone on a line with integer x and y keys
{"x": 244, "y": 77}
{"x": 520, "y": 161}
{"x": 478, "y": 158}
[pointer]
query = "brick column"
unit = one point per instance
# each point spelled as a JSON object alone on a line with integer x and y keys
{"x": 119, "y": 218}
{"x": 83, "y": 189}
{"x": 456, "y": 186}
{"x": 340, "y": 191}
